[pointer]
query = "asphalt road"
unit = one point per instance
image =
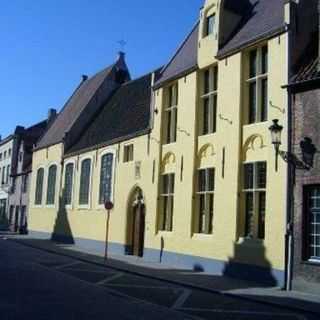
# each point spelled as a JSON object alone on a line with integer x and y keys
{"x": 37, "y": 285}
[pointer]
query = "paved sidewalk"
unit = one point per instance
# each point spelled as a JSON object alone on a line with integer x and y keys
{"x": 214, "y": 283}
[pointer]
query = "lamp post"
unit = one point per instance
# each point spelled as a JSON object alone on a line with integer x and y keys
{"x": 276, "y": 131}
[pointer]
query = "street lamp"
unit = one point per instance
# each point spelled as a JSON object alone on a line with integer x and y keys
{"x": 276, "y": 131}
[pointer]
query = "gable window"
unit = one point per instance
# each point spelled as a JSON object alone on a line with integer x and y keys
{"x": 39, "y": 186}
{"x": 85, "y": 182}
{"x": 167, "y": 202}
{"x": 68, "y": 184}
{"x": 254, "y": 190}
{"x": 106, "y": 173}
{"x": 205, "y": 200}
{"x": 51, "y": 188}
{"x": 312, "y": 223}
{"x": 128, "y": 153}
{"x": 209, "y": 101}
{"x": 171, "y": 113}
{"x": 210, "y": 25}
{"x": 258, "y": 85}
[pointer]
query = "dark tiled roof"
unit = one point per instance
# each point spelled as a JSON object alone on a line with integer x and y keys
{"x": 126, "y": 114}
{"x": 72, "y": 109}
{"x": 262, "y": 18}
{"x": 184, "y": 60}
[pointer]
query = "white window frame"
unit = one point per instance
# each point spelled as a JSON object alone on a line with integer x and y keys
{"x": 168, "y": 108}
{"x": 258, "y": 79}
{"x": 125, "y": 146}
{"x": 115, "y": 161}
{"x": 85, "y": 206}
{"x": 72, "y": 161}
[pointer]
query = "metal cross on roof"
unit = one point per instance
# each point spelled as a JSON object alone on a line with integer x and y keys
{"x": 122, "y": 44}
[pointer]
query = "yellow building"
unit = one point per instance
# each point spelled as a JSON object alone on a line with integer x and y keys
{"x": 184, "y": 152}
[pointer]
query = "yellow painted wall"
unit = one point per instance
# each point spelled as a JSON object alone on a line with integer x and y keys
{"x": 242, "y": 143}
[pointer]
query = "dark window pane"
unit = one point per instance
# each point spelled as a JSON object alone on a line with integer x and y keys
{"x": 205, "y": 115}
{"x": 253, "y": 63}
{"x": 175, "y": 120}
{"x": 264, "y": 60}
{"x": 51, "y": 188}
{"x": 214, "y": 114}
{"x": 249, "y": 209}
{"x": 264, "y": 100}
{"x": 211, "y": 180}
{"x": 210, "y": 24}
{"x": 206, "y": 81}
{"x": 39, "y": 186}
{"x": 68, "y": 184}
{"x": 202, "y": 181}
{"x": 106, "y": 178}
{"x": 262, "y": 214}
{"x": 261, "y": 175}
{"x": 248, "y": 176}
{"x": 85, "y": 182}
{"x": 215, "y": 78}
{"x": 202, "y": 212}
{"x": 168, "y": 126}
{"x": 252, "y": 101}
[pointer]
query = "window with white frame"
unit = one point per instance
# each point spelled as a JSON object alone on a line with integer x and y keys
{"x": 254, "y": 192}
{"x": 51, "y": 187}
{"x": 171, "y": 114}
{"x": 39, "y": 186}
{"x": 128, "y": 153}
{"x": 85, "y": 177}
{"x": 167, "y": 202}
{"x": 68, "y": 184}
{"x": 209, "y": 26}
{"x": 205, "y": 200}
{"x": 312, "y": 224}
{"x": 257, "y": 83}
{"x": 209, "y": 101}
{"x": 106, "y": 178}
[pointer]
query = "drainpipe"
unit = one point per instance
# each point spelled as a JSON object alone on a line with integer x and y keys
{"x": 289, "y": 237}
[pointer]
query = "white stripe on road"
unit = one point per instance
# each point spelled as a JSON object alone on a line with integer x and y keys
{"x": 297, "y": 316}
{"x": 182, "y": 299}
{"x": 111, "y": 278}
{"x": 70, "y": 264}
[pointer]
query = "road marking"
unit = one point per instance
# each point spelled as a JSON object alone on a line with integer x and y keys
{"x": 241, "y": 312}
{"x": 111, "y": 278}
{"x": 182, "y": 299}
{"x": 139, "y": 286}
{"x": 70, "y": 264}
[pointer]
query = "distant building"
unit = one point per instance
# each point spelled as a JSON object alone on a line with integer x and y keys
{"x": 21, "y": 169}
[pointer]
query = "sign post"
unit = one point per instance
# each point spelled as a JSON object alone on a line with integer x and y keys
{"x": 108, "y": 206}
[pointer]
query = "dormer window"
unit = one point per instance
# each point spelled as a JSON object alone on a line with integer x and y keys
{"x": 209, "y": 25}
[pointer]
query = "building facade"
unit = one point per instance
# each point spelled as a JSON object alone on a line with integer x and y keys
{"x": 184, "y": 153}
{"x": 18, "y": 200}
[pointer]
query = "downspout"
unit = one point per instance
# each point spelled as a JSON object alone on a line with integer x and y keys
{"x": 289, "y": 239}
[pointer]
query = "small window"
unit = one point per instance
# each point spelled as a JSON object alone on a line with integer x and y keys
{"x": 106, "y": 178}
{"x": 8, "y": 174}
{"x": 5, "y": 155}
{"x": 0, "y": 156}
{"x": 167, "y": 201}
{"x": 210, "y": 25}
{"x": 254, "y": 189}
{"x": 9, "y": 153}
{"x": 25, "y": 180}
{"x": 51, "y": 188}
{"x": 68, "y": 184}
{"x": 128, "y": 153}
{"x": 205, "y": 200}
{"x": 20, "y": 156}
{"x": 39, "y": 186}
{"x": 85, "y": 182}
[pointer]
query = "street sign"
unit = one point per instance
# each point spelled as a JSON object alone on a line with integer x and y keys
{"x": 108, "y": 205}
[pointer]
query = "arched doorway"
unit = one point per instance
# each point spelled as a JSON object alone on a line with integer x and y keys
{"x": 136, "y": 223}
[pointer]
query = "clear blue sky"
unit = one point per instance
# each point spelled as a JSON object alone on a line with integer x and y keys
{"x": 47, "y": 45}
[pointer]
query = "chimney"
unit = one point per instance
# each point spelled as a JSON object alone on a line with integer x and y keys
{"x": 19, "y": 130}
{"x": 84, "y": 78}
{"x": 52, "y": 114}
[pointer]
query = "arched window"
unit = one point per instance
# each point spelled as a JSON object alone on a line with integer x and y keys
{"x": 39, "y": 186}
{"x": 51, "y": 188}
{"x": 85, "y": 182}
{"x": 105, "y": 191}
{"x": 68, "y": 183}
